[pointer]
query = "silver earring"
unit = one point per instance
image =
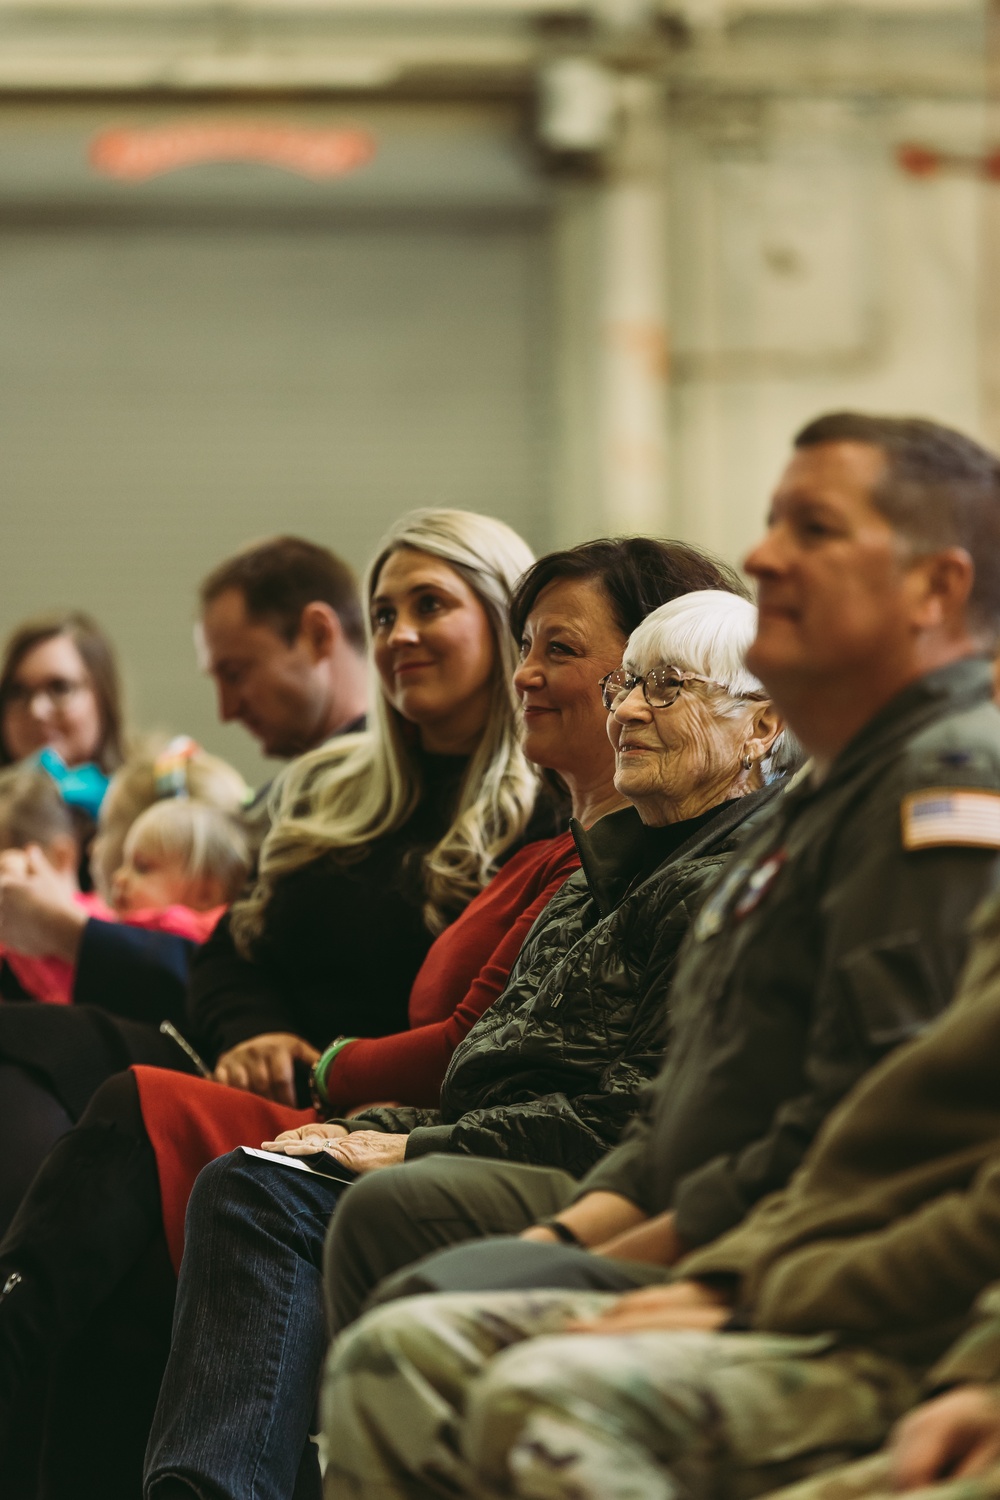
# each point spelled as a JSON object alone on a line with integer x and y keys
{"x": 747, "y": 762}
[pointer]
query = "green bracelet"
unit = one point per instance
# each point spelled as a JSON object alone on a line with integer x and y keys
{"x": 322, "y": 1066}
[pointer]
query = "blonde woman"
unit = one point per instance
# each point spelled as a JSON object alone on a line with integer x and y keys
{"x": 380, "y": 840}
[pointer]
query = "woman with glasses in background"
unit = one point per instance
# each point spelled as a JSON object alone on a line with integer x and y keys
{"x": 60, "y": 690}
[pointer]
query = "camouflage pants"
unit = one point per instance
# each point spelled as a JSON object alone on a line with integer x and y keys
{"x": 871, "y": 1479}
{"x": 473, "y": 1395}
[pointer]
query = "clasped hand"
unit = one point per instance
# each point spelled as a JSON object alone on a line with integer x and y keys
{"x": 265, "y": 1065}
{"x": 679, "y": 1306}
{"x": 955, "y": 1436}
{"x": 38, "y": 915}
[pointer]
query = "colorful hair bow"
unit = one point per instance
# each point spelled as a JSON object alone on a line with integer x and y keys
{"x": 170, "y": 767}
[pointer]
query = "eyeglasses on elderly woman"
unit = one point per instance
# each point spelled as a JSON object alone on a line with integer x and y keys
{"x": 660, "y": 688}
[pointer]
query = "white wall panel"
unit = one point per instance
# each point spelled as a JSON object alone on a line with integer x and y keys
{"x": 809, "y": 273}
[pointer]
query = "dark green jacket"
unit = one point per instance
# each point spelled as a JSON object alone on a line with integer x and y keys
{"x": 825, "y": 945}
{"x": 551, "y": 1074}
{"x": 891, "y": 1227}
{"x": 976, "y": 1354}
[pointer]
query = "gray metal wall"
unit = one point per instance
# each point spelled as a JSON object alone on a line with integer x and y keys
{"x": 229, "y": 351}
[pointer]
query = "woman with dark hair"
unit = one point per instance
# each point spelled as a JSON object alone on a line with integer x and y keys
{"x": 59, "y": 688}
{"x": 635, "y": 574}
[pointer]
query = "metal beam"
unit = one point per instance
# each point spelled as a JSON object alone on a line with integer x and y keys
{"x": 336, "y": 46}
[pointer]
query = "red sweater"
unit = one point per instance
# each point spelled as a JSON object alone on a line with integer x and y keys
{"x": 478, "y": 951}
{"x": 192, "y": 1120}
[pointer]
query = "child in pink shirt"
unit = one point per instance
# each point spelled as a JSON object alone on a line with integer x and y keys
{"x": 181, "y": 863}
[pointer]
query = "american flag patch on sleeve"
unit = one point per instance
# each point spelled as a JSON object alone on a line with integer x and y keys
{"x": 955, "y": 816}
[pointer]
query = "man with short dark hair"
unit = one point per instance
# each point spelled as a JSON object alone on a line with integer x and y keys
{"x": 935, "y": 487}
{"x": 281, "y": 633}
{"x": 840, "y": 928}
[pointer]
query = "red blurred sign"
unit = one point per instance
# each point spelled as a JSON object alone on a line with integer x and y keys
{"x": 137, "y": 155}
{"x": 925, "y": 161}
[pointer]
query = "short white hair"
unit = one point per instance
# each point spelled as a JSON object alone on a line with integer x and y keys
{"x": 707, "y": 632}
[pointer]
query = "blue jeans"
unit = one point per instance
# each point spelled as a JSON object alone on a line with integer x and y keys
{"x": 237, "y": 1401}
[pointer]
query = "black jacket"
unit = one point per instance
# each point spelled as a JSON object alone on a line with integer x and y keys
{"x": 342, "y": 941}
{"x": 552, "y": 1072}
{"x": 131, "y": 972}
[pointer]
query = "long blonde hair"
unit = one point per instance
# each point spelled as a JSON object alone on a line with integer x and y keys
{"x": 344, "y": 796}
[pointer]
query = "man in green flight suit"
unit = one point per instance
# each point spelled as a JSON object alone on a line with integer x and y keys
{"x": 837, "y": 933}
{"x": 786, "y": 1345}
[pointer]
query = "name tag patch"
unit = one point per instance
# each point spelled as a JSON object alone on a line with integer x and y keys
{"x": 943, "y": 817}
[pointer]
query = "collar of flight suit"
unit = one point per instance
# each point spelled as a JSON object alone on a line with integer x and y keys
{"x": 961, "y": 684}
